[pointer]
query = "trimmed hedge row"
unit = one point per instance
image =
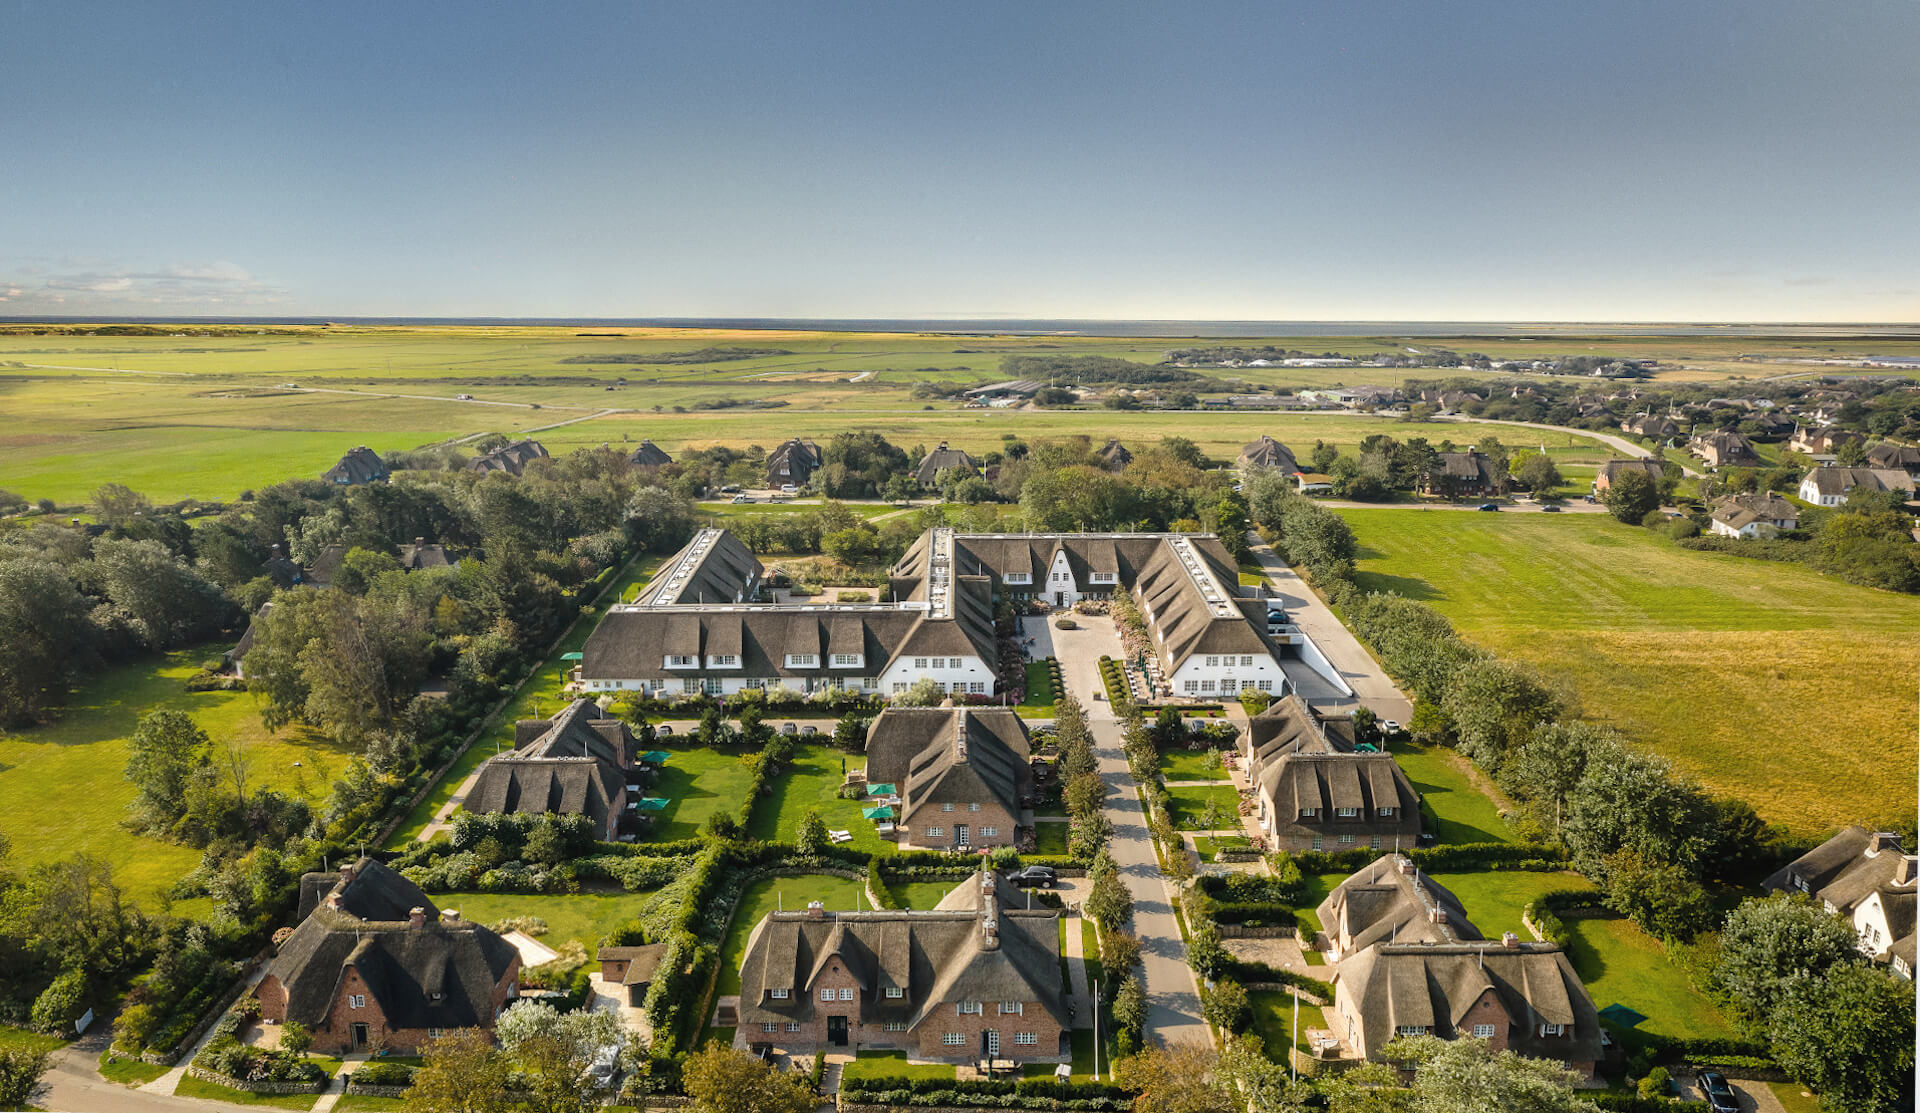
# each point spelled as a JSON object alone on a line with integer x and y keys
{"x": 1543, "y": 912}
{"x": 1537, "y": 857}
{"x": 1244, "y": 971}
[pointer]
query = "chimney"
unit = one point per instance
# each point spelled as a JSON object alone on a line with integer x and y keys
{"x": 449, "y": 915}
{"x": 1405, "y": 863}
{"x": 1510, "y": 941}
{"x": 816, "y": 910}
{"x": 989, "y": 934}
{"x": 417, "y": 917}
{"x": 333, "y": 901}
{"x": 1882, "y": 840}
{"x": 1904, "y": 870}
{"x": 419, "y": 542}
{"x": 1436, "y": 915}
{"x": 347, "y": 874}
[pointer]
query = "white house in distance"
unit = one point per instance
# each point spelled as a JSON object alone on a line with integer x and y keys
{"x": 1830, "y": 486}
{"x": 697, "y": 628}
{"x": 1749, "y": 516}
{"x": 1866, "y": 877}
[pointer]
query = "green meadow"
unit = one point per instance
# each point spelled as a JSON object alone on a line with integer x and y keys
{"x": 1764, "y": 680}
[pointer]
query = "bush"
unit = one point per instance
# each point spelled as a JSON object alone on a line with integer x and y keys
{"x": 1655, "y": 1084}
{"x": 60, "y": 1004}
{"x": 380, "y": 1073}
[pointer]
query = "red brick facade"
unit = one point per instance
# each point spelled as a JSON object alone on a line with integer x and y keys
{"x": 344, "y": 1014}
{"x": 991, "y": 816}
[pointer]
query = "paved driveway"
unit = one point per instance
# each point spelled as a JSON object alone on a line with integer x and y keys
{"x": 1362, "y": 673}
{"x": 1173, "y": 1000}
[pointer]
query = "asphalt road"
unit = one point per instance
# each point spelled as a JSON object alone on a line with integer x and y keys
{"x": 1371, "y": 686}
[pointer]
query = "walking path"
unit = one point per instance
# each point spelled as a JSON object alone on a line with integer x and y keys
{"x": 1079, "y": 990}
{"x": 1357, "y": 667}
{"x": 1173, "y": 998}
{"x": 166, "y": 1083}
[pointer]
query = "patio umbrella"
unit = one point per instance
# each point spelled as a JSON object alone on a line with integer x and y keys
{"x": 655, "y": 757}
{"x": 573, "y": 656}
{"x": 883, "y": 790}
{"x": 1621, "y": 1015}
{"x": 884, "y": 811}
{"x": 653, "y": 803}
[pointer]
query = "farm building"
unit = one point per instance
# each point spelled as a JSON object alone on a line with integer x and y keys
{"x": 649, "y": 455}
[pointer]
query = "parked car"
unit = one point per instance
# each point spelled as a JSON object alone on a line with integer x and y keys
{"x": 729, "y": 489}
{"x": 742, "y": 498}
{"x": 789, "y": 728}
{"x": 1720, "y": 1095}
{"x": 1035, "y": 877}
{"x": 1488, "y": 506}
{"x": 1389, "y": 728}
{"x": 789, "y": 489}
{"x": 664, "y": 730}
{"x": 1549, "y": 510}
{"x": 809, "y": 729}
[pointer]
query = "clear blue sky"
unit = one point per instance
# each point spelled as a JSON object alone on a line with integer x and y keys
{"x": 1365, "y": 159}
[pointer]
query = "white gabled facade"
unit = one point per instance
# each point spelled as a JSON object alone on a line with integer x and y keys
{"x": 963, "y": 675}
{"x": 1228, "y": 674}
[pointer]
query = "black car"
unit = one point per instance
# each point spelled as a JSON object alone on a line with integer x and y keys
{"x": 1720, "y": 1095}
{"x": 1487, "y": 506}
{"x": 1034, "y": 877}
{"x": 1549, "y": 510}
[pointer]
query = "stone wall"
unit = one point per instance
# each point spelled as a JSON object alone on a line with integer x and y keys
{"x": 218, "y": 1079}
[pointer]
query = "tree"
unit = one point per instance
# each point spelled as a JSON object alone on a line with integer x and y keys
{"x": 1108, "y": 901}
{"x": 295, "y": 1037}
{"x": 1464, "y": 1076}
{"x": 1631, "y": 496}
{"x": 1226, "y": 1006}
{"x": 167, "y": 602}
{"x": 555, "y": 1052}
{"x": 1182, "y": 1078}
{"x": 1849, "y": 1035}
{"x": 1495, "y": 706}
{"x": 658, "y": 520}
{"x": 1129, "y": 1010}
{"x": 118, "y": 505}
{"x": 811, "y": 838}
{"x": 723, "y": 1080}
{"x": 1536, "y": 471}
{"x": 1768, "y": 946}
{"x": 460, "y": 1072}
{"x": 1663, "y": 899}
{"x": 924, "y": 692}
{"x": 49, "y": 639}
{"x": 166, "y": 749}
{"x": 20, "y": 1071}
{"x": 1634, "y": 802}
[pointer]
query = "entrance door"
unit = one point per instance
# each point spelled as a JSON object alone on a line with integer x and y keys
{"x": 1059, "y": 598}
{"x": 837, "y": 1031}
{"x": 990, "y": 1045}
{"x": 960, "y": 835}
{"x": 359, "y": 1034}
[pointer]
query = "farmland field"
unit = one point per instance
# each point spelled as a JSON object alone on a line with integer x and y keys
{"x": 1764, "y": 680}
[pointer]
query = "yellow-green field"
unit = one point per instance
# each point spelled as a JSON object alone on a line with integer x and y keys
{"x": 1765, "y": 680}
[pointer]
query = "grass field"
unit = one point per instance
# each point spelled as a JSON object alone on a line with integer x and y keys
{"x": 191, "y": 1087}
{"x": 1748, "y": 674}
{"x": 839, "y": 894}
{"x": 700, "y": 781}
{"x": 1445, "y": 780}
{"x": 1494, "y": 899}
{"x": 814, "y": 782}
{"x": 892, "y": 1064}
{"x": 920, "y": 895}
{"x": 1273, "y": 1022}
{"x": 1187, "y": 805}
{"x": 1192, "y": 765}
{"x": 128, "y": 1072}
{"x": 74, "y": 765}
{"x": 367, "y": 1103}
{"x": 1618, "y": 962}
{"x": 1051, "y": 838}
{"x": 12, "y": 1038}
{"x": 585, "y": 918}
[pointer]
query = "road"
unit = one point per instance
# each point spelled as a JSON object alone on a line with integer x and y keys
{"x": 1581, "y": 507}
{"x": 1173, "y": 999}
{"x": 1618, "y": 444}
{"x": 74, "y": 1086}
{"x": 1371, "y": 686}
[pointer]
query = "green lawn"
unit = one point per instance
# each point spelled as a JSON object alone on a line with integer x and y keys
{"x": 1192, "y": 765}
{"x": 1793, "y": 1097}
{"x": 1317, "y": 888}
{"x": 78, "y": 762}
{"x": 839, "y": 894}
{"x": 540, "y": 697}
{"x": 1494, "y": 899}
{"x": 12, "y": 1038}
{"x": 700, "y": 781}
{"x": 1050, "y": 838}
{"x": 814, "y": 782}
{"x": 191, "y": 1087}
{"x": 128, "y": 1072}
{"x": 892, "y": 1064}
{"x": 1273, "y": 1022}
{"x": 1090, "y": 952}
{"x": 1187, "y": 804}
{"x": 584, "y": 917}
{"x": 920, "y": 895}
{"x": 1752, "y": 661}
{"x": 1207, "y": 845}
{"x": 1038, "y": 703}
{"x": 1620, "y": 963}
{"x": 1464, "y": 811}
{"x": 367, "y": 1103}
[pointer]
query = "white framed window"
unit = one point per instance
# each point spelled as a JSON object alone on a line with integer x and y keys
{"x": 803, "y": 660}
{"x": 1346, "y": 813}
{"x": 778, "y": 994}
{"x": 681, "y": 661}
{"x": 954, "y": 1039}
{"x": 757, "y": 682}
{"x": 434, "y": 1033}
{"x": 946, "y": 807}
{"x": 769, "y": 1026}
{"x": 1246, "y": 685}
{"x": 977, "y": 687}
{"x": 1346, "y": 840}
{"x": 1213, "y": 662}
{"x": 357, "y": 1001}
{"x": 1190, "y": 686}
{"x": 1483, "y": 1031}
{"x": 894, "y": 993}
{"x": 899, "y": 686}
{"x": 936, "y": 832}
{"x": 953, "y": 662}
{"x": 1386, "y": 813}
{"x": 724, "y": 660}
{"x": 1266, "y": 685}
{"x": 1316, "y": 842}
{"x": 826, "y": 994}
{"x": 846, "y": 660}
{"x": 967, "y": 1008}
{"x": 1026, "y": 1039}
{"x": 793, "y": 1026}
{"x": 919, "y": 662}
{"x": 896, "y": 1025}
{"x": 692, "y": 685}
{"x": 1553, "y": 1029}
{"x": 1246, "y": 662}
{"x": 973, "y": 807}
{"x": 846, "y": 995}
{"x": 1019, "y": 577}
{"x": 1011, "y": 1008}
{"x": 1409, "y": 1030}
{"x": 989, "y": 832}
{"x": 1376, "y": 842}
{"x": 1309, "y": 813}
{"x": 1206, "y": 685}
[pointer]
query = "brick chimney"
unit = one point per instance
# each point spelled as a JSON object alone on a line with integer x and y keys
{"x": 1405, "y": 863}
{"x": 816, "y": 910}
{"x": 1882, "y": 840}
{"x": 1510, "y": 941}
{"x": 989, "y": 933}
{"x": 1904, "y": 872}
{"x": 347, "y": 874}
{"x": 1436, "y": 915}
{"x": 449, "y": 915}
{"x": 417, "y": 917}
{"x": 333, "y": 901}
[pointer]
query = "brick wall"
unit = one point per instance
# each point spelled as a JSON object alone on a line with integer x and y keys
{"x": 1487, "y": 1010}
{"x": 991, "y": 814}
{"x": 273, "y": 999}
{"x": 930, "y": 1037}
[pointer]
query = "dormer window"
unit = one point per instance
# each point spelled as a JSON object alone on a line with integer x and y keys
{"x": 1011, "y": 1008}
{"x": 1309, "y": 813}
{"x": 803, "y": 660}
{"x": 894, "y": 993}
{"x": 682, "y": 661}
{"x": 778, "y": 994}
{"x": 968, "y": 1008}
{"x": 1386, "y": 813}
{"x": 1019, "y": 577}
{"x": 846, "y": 660}
{"x": 1553, "y": 1029}
{"x": 1346, "y": 813}
{"x": 724, "y": 661}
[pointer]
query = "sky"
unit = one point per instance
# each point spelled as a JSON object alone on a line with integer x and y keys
{"x": 1742, "y": 161}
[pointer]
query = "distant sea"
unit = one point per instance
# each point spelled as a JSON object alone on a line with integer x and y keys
{"x": 1492, "y": 330}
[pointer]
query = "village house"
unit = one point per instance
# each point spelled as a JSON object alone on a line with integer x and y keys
{"x": 792, "y": 464}
{"x": 962, "y": 774}
{"x": 1830, "y": 486}
{"x": 1888, "y": 456}
{"x": 1749, "y": 516}
{"x": 1315, "y": 790}
{"x": 975, "y": 978}
{"x": 361, "y": 465}
{"x": 649, "y": 455}
{"x": 927, "y": 474}
{"x": 1313, "y": 483}
{"x": 510, "y": 458}
{"x": 1772, "y": 426}
{"x": 575, "y": 763}
{"x": 1724, "y": 450}
{"x": 1391, "y": 902}
{"x": 1114, "y": 456}
{"x": 1823, "y": 440}
{"x": 1518, "y": 997}
{"x": 374, "y": 962}
{"x": 631, "y": 968}
{"x": 1867, "y": 878}
{"x": 1268, "y": 453}
{"x": 1658, "y": 426}
{"x": 1467, "y": 474}
{"x": 1603, "y": 479}
{"x": 1006, "y": 393}
{"x": 1449, "y": 401}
